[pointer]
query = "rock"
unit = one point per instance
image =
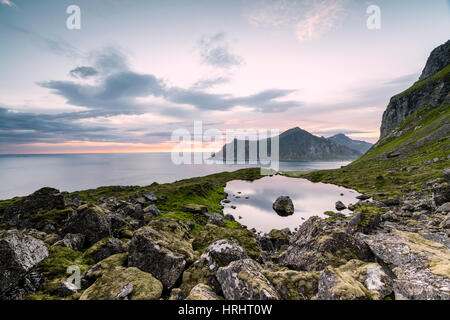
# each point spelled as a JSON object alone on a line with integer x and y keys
{"x": 417, "y": 290}
{"x": 294, "y": 285}
{"x": 365, "y": 219}
{"x": 441, "y": 194}
{"x": 160, "y": 253}
{"x": 340, "y": 206}
{"x": 445, "y": 208}
{"x": 133, "y": 210}
{"x": 117, "y": 284}
{"x": 190, "y": 224}
{"x": 21, "y": 213}
{"x": 218, "y": 254}
{"x": 414, "y": 259}
{"x": 278, "y": 238}
{"x": 30, "y": 283}
{"x": 409, "y": 207}
{"x": 229, "y": 217}
{"x": 19, "y": 254}
{"x": 126, "y": 291}
{"x": 283, "y": 206}
{"x": 216, "y": 218}
{"x": 91, "y": 221}
{"x": 438, "y": 59}
{"x": 105, "y": 248}
{"x": 74, "y": 201}
{"x": 447, "y": 174}
{"x": 72, "y": 241}
{"x": 65, "y": 289}
{"x": 195, "y": 208}
{"x": 363, "y": 197}
{"x": 245, "y": 238}
{"x": 202, "y": 292}
{"x": 151, "y": 197}
{"x": 445, "y": 224}
{"x": 356, "y": 280}
{"x": 392, "y": 202}
{"x": 177, "y": 294}
{"x": 244, "y": 280}
{"x": 317, "y": 245}
{"x": 153, "y": 210}
{"x": 106, "y": 265}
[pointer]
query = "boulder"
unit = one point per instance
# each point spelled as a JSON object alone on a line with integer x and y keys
{"x": 65, "y": 289}
{"x": 318, "y": 244}
{"x": 150, "y": 197}
{"x": 161, "y": 253}
{"x": 105, "y": 248}
{"x": 19, "y": 254}
{"x": 121, "y": 283}
{"x": 445, "y": 208}
{"x": 218, "y": 254}
{"x": 216, "y": 218}
{"x": 90, "y": 220}
{"x": 106, "y": 265}
{"x": 202, "y": 292}
{"x": 363, "y": 197}
{"x": 356, "y": 280}
{"x": 244, "y": 280}
{"x": 294, "y": 285}
{"x": 177, "y": 294}
{"x": 447, "y": 174}
{"x": 195, "y": 208}
{"x": 153, "y": 210}
{"x": 413, "y": 259}
{"x": 20, "y": 213}
{"x": 283, "y": 206}
{"x": 72, "y": 241}
{"x": 340, "y": 206}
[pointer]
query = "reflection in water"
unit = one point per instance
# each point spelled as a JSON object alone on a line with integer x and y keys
{"x": 253, "y": 201}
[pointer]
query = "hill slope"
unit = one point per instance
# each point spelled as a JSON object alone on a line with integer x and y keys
{"x": 358, "y": 145}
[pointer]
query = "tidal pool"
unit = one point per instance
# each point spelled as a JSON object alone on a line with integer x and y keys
{"x": 253, "y": 201}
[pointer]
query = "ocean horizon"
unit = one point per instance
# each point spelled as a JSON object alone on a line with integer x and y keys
{"x": 22, "y": 174}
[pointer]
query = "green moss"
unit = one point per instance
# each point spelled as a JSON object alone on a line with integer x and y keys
{"x": 55, "y": 265}
{"x": 294, "y": 285}
{"x": 368, "y": 213}
{"x": 111, "y": 283}
{"x": 55, "y": 216}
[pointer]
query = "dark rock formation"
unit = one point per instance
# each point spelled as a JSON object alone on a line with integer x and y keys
{"x": 283, "y": 206}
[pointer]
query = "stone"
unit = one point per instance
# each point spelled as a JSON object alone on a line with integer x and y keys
{"x": 356, "y": 280}
{"x": 414, "y": 259}
{"x": 21, "y": 213}
{"x": 151, "y": 197}
{"x": 19, "y": 254}
{"x": 72, "y": 241}
{"x": 91, "y": 221}
{"x": 244, "y": 280}
{"x": 65, "y": 289}
{"x": 195, "y": 208}
{"x": 318, "y": 244}
{"x": 216, "y": 218}
{"x": 155, "y": 252}
{"x": 202, "y": 292}
{"x": 363, "y": 197}
{"x": 218, "y": 254}
{"x": 294, "y": 285}
{"x": 153, "y": 210}
{"x": 447, "y": 174}
{"x": 120, "y": 283}
{"x": 229, "y": 217}
{"x": 445, "y": 208}
{"x": 177, "y": 294}
{"x": 283, "y": 206}
{"x": 105, "y": 248}
{"x": 340, "y": 206}
{"x": 106, "y": 265}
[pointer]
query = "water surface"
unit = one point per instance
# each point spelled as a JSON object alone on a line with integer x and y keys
{"x": 253, "y": 201}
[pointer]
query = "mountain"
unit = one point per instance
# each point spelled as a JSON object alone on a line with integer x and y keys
{"x": 432, "y": 90}
{"x": 299, "y": 145}
{"x": 358, "y": 145}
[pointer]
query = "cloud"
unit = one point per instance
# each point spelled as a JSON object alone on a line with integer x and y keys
{"x": 210, "y": 82}
{"x": 57, "y": 46}
{"x": 9, "y": 3}
{"x": 215, "y": 52}
{"x": 83, "y": 72}
{"x": 309, "y": 19}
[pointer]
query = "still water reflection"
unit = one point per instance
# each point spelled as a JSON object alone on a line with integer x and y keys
{"x": 253, "y": 201}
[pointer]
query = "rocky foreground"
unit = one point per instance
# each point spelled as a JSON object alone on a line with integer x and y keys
{"x": 397, "y": 248}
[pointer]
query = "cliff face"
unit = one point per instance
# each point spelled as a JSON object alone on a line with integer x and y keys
{"x": 432, "y": 90}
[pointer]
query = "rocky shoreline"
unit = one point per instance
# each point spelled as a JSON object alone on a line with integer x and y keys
{"x": 397, "y": 248}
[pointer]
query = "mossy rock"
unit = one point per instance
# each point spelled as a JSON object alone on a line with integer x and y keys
{"x": 59, "y": 259}
{"x": 196, "y": 274}
{"x": 104, "y": 266}
{"x": 294, "y": 285}
{"x": 111, "y": 284}
{"x": 243, "y": 237}
{"x": 202, "y": 292}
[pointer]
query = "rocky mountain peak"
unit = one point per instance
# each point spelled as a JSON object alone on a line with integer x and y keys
{"x": 439, "y": 59}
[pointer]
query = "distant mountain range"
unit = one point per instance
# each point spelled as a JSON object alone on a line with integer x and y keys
{"x": 299, "y": 145}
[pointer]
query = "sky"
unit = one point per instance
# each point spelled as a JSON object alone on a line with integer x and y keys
{"x": 137, "y": 70}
